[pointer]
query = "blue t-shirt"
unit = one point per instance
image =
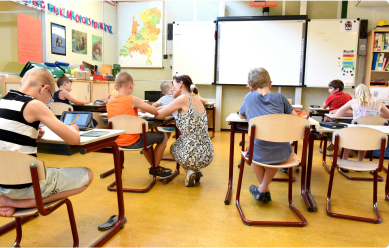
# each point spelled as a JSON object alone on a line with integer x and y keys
{"x": 255, "y": 105}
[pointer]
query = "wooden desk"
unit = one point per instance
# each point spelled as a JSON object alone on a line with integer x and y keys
{"x": 233, "y": 119}
{"x": 211, "y": 106}
{"x": 318, "y": 112}
{"x": 97, "y": 144}
{"x": 90, "y": 107}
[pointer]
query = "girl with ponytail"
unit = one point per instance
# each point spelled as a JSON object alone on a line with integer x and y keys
{"x": 193, "y": 150}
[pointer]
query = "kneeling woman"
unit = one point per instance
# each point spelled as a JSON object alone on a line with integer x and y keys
{"x": 193, "y": 150}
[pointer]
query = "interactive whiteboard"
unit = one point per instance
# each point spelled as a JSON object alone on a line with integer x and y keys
{"x": 276, "y": 43}
{"x": 331, "y": 52}
{"x": 194, "y": 51}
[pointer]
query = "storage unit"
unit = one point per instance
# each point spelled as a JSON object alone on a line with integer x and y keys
{"x": 369, "y": 73}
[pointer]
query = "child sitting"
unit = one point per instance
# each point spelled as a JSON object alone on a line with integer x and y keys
{"x": 126, "y": 104}
{"x": 63, "y": 93}
{"x": 166, "y": 89}
{"x": 21, "y": 113}
{"x": 363, "y": 105}
{"x": 258, "y": 102}
{"x": 337, "y": 97}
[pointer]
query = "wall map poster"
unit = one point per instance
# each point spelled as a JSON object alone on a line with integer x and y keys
{"x": 140, "y": 34}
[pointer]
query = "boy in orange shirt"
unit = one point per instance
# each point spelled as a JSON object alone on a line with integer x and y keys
{"x": 125, "y": 103}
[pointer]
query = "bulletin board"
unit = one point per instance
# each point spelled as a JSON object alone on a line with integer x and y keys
{"x": 331, "y": 52}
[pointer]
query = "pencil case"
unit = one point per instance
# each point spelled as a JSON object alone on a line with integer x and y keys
{"x": 333, "y": 125}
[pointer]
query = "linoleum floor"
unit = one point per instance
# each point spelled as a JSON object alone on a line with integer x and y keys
{"x": 175, "y": 215}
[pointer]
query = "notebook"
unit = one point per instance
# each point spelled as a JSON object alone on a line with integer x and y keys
{"x": 94, "y": 134}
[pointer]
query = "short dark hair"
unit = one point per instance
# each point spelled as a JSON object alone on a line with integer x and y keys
{"x": 337, "y": 84}
{"x": 61, "y": 80}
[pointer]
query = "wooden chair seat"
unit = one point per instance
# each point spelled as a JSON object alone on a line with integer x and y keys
{"x": 22, "y": 212}
{"x": 294, "y": 160}
{"x": 357, "y": 165}
{"x": 136, "y": 149}
{"x": 161, "y": 129}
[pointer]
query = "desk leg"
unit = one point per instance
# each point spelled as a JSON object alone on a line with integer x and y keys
{"x": 119, "y": 186}
{"x": 309, "y": 173}
{"x": 231, "y": 165}
{"x": 177, "y": 171}
{"x": 213, "y": 122}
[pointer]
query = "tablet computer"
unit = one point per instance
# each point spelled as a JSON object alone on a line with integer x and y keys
{"x": 83, "y": 121}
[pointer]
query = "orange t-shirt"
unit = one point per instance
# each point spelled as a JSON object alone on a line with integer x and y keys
{"x": 121, "y": 105}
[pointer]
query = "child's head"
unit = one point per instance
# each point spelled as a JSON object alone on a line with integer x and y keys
{"x": 124, "y": 81}
{"x": 64, "y": 83}
{"x": 258, "y": 78}
{"x": 39, "y": 83}
{"x": 362, "y": 94}
{"x": 183, "y": 81}
{"x": 166, "y": 88}
{"x": 335, "y": 86}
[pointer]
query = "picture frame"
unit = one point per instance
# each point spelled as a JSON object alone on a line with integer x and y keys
{"x": 58, "y": 39}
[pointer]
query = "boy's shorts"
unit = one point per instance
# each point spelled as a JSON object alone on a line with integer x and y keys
{"x": 57, "y": 180}
{"x": 151, "y": 138}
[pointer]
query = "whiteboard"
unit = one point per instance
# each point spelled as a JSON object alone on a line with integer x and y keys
{"x": 278, "y": 45}
{"x": 194, "y": 51}
{"x": 331, "y": 52}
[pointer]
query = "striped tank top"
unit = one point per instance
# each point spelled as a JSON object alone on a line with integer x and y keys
{"x": 16, "y": 134}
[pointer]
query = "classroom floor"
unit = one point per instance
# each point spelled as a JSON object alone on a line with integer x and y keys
{"x": 174, "y": 215}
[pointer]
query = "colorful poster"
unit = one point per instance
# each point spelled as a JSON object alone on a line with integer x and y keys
{"x": 29, "y": 39}
{"x": 97, "y": 48}
{"x": 79, "y": 42}
{"x": 58, "y": 39}
{"x": 140, "y": 34}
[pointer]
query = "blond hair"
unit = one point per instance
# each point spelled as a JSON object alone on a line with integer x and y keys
{"x": 123, "y": 78}
{"x": 166, "y": 87}
{"x": 38, "y": 76}
{"x": 362, "y": 94}
{"x": 258, "y": 78}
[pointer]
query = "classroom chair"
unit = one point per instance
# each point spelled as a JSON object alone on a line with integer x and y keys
{"x": 276, "y": 128}
{"x": 132, "y": 125}
{"x": 19, "y": 168}
{"x": 366, "y": 120}
{"x": 161, "y": 129}
{"x": 362, "y": 139}
{"x": 59, "y": 107}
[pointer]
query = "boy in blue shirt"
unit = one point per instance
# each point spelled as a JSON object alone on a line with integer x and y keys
{"x": 258, "y": 102}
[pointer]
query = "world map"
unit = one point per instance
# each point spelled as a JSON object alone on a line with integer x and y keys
{"x": 145, "y": 34}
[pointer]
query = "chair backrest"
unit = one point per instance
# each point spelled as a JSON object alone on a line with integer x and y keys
{"x": 279, "y": 127}
{"x": 15, "y": 168}
{"x": 59, "y": 107}
{"x": 132, "y": 124}
{"x": 370, "y": 120}
{"x": 360, "y": 138}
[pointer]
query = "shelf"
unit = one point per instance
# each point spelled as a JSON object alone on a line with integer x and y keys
{"x": 380, "y": 51}
{"x": 379, "y": 71}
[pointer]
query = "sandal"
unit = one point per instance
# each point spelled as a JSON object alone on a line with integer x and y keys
{"x": 111, "y": 222}
{"x": 255, "y": 192}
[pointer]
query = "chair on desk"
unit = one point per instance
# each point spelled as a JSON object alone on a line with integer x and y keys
{"x": 18, "y": 168}
{"x": 277, "y": 128}
{"x": 366, "y": 120}
{"x": 59, "y": 107}
{"x": 364, "y": 139}
{"x": 132, "y": 125}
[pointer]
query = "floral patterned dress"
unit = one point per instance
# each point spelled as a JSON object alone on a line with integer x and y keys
{"x": 193, "y": 149}
{"x": 365, "y": 112}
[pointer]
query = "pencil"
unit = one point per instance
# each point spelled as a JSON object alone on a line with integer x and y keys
{"x": 75, "y": 119}
{"x": 86, "y": 98}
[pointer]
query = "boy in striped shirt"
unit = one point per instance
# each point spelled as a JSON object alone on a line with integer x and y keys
{"x": 21, "y": 112}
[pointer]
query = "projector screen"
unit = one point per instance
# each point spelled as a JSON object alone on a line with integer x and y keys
{"x": 272, "y": 42}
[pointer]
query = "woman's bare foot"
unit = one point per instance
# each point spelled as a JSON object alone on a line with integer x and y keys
{"x": 5, "y": 210}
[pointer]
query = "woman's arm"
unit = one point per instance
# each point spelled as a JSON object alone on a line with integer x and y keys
{"x": 167, "y": 110}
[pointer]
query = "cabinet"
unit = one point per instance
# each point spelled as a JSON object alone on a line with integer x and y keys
{"x": 81, "y": 90}
{"x": 100, "y": 90}
{"x": 369, "y": 73}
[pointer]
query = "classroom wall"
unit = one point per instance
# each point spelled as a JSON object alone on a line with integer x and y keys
{"x": 91, "y": 9}
{"x": 9, "y": 52}
{"x": 232, "y": 96}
